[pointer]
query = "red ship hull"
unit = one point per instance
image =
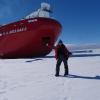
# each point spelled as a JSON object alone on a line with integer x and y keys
{"x": 33, "y": 37}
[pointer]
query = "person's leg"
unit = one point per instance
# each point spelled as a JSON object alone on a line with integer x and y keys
{"x": 66, "y": 66}
{"x": 58, "y": 66}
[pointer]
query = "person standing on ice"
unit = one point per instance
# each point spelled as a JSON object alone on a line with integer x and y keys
{"x": 61, "y": 54}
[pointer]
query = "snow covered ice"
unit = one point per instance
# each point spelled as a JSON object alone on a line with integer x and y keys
{"x": 33, "y": 79}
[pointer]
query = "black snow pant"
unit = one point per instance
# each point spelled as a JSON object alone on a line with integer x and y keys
{"x": 59, "y": 61}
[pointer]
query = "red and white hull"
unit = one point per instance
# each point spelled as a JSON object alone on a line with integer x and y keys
{"x": 28, "y": 38}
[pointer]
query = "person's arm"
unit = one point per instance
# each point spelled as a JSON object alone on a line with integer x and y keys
{"x": 68, "y": 53}
{"x": 56, "y": 54}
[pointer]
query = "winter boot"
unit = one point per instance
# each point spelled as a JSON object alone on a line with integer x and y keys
{"x": 66, "y": 73}
{"x": 56, "y": 75}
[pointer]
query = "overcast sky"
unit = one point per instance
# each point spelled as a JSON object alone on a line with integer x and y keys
{"x": 80, "y": 18}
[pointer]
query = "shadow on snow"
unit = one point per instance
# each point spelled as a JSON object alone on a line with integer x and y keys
{"x": 82, "y": 77}
{"x": 80, "y": 55}
{"x": 75, "y": 55}
{"x": 33, "y": 60}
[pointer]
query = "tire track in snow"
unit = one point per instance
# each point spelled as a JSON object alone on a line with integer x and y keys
{"x": 3, "y": 90}
{"x": 66, "y": 87}
{"x": 3, "y": 86}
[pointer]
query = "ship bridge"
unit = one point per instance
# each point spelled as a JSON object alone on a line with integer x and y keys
{"x": 44, "y": 11}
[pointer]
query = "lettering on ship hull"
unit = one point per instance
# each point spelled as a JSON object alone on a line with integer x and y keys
{"x": 13, "y": 31}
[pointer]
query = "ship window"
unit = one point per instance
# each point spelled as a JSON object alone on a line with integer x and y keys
{"x": 46, "y": 40}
